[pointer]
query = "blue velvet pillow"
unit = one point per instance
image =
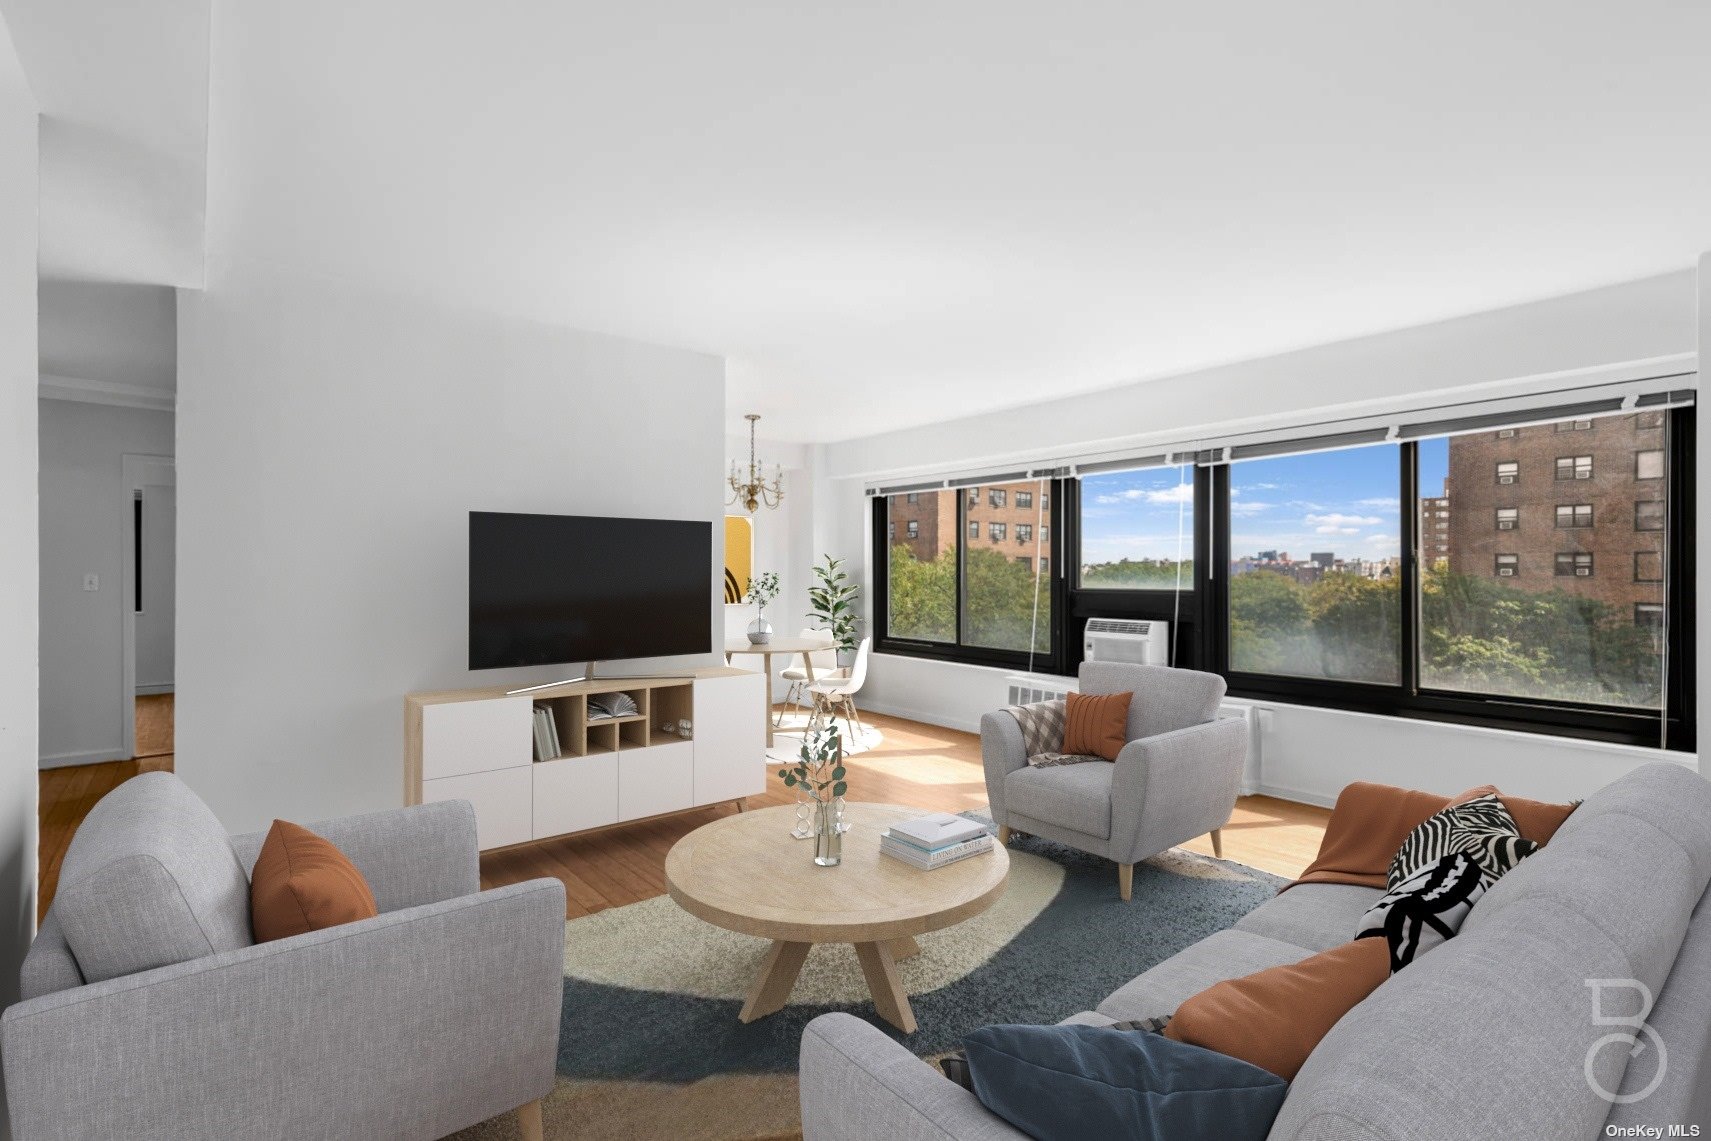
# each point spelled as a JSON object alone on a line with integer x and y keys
{"x": 1076, "y": 1082}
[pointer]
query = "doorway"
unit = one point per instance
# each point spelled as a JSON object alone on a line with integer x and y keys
{"x": 149, "y": 586}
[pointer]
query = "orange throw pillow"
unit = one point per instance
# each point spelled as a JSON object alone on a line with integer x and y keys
{"x": 302, "y": 882}
{"x": 1536, "y": 820}
{"x": 1275, "y": 1018}
{"x": 1096, "y": 726}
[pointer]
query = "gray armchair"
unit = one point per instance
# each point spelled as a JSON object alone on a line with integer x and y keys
{"x": 1176, "y": 779}
{"x": 440, "y": 1012}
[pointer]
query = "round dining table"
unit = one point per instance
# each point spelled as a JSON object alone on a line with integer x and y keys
{"x": 778, "y": 645}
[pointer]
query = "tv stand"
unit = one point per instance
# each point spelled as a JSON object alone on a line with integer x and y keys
{"x": 585, "y": 675}
{"x": 478, "y": 745}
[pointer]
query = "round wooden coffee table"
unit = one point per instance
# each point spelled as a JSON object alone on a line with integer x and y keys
{"x": 746, "y": 873}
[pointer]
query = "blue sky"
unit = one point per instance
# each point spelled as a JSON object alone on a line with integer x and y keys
{"x": 1344, "y": 502}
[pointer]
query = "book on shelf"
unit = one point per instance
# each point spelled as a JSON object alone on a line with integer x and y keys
{"x": 936, "y": 830}
{"x": 547, "y": 744}
{"x": 899, "y": 849}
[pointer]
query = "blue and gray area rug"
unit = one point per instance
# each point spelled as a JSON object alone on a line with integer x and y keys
{"x": 651, "y": 1045}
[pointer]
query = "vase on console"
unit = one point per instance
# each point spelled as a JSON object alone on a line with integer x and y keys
{"x": 762, "y": 590}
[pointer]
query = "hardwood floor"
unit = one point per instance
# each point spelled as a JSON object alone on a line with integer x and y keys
{"x": 919, "y": 765}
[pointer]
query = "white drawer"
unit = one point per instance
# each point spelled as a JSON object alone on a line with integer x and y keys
{"x": 575, "y": 793}
{"x": 462, "y": 737}
{"x": 501, "y": 801}
{"x": 660, "y": 778}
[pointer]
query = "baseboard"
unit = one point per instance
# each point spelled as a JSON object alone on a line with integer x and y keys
{"x": 66, "y": 760}
{"x": 150, "y": 690}
{"x": 921, "y": 715}
{"x": 1298, "y": 795}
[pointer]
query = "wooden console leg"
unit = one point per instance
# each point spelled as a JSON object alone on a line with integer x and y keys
{"x": 889, "y": 998}
{"x": 1218, "y": 842}
{"x": 742, "y": 804}
{"x": 1003, "y": 834}
{"x": 772, "y": 987}
{"x": 1126, "y": 881}
{"x": 529, "y": 1122}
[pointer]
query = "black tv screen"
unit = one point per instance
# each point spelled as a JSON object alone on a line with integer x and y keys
{"x": 548, "y": 589}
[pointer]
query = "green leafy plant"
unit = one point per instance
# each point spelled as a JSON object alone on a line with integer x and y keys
{"x": 833, "y": 598}
{"x": 763, "y": 590}
{"x": 820, "y": 771}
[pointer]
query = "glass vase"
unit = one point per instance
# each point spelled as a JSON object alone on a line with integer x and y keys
{"x": 805, "y": 818}
{"x": 760, "y": 630}
{"x": 828, "y": 840}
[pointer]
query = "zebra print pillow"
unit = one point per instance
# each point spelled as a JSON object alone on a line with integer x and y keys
{"x": 1425, "y": 909}
{"x": 1482, "y": 829}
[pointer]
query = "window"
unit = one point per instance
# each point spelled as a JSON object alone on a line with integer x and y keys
{"x": 1648, "y": 465}
{"x": 1574, "y": 515}
{"x": 1574, "y": 467}
{"x": 1648, "y": 515}
{"x": 891, "y": 530}
{"x": 996, "y": 497}
{"x": 921, "y": 599}
{"x": 1025, "y": 499}
{"x": 1508, "y": 433}
{"x": 968, "y": 596}
{"x": 1574, "y": 425}
{"x": 1648, "y": 615}
{"x": 1045, "y": 501}
{"x": 1508, "y": 518}
{"x": 974, "y": 497}
{"x": 1574, "y": 564}
{"x": 1507, "y": 566}
{"x": 1024, "y": 532}
{"x": 1648, "y": 421}
{"x": 1043, "y": 564}
{"x": 1648, "y": 566}
{"x": 1310, "y": 537}
{"x": 914, "y": 498}
{"x": 1137, "y": 530}
{"x": 1508, "y": 471}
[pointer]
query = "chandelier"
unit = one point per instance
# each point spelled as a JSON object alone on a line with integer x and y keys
{"x": 756, "y": 490}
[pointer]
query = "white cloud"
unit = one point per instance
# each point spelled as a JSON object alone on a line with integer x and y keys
{"x": 1337, "y": 523}
{"x": 1249, "y": 507}
{"x": 1381, "y": 501}
{"x": 1170, "y": 496}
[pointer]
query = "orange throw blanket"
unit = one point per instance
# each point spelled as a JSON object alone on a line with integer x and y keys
{"x": 1370, "y": 822}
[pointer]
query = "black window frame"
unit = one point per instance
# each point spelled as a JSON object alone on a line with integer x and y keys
{"x": 1574, "y": 516}
{"x": 1573, "y": 560}
{"x": 1514, "y": 521}
{"x": 1514, "y": 564}
{"x": 1199, "y": 640}
{"x": 1662, "y": 516}
{"x": 1663, "y": 576}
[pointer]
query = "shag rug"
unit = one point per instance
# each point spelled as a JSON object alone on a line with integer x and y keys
{"x": 651, "y": 1047}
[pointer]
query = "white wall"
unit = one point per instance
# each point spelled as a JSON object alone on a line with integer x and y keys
{"x": 111, "y": 332}
{"x": 331, "y": 445}
{"x": 1311, "y": 754}
{"x": 17, "y": 522}
{"x": 83, "y": 506}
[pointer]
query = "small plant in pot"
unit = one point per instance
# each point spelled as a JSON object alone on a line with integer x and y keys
{"x": 833, "y": 598}
{"x": 819, "y": 775}
{"x": 761, "y": 591}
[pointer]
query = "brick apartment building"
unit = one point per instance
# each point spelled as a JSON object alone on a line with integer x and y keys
{"x": 1578, "y": 505}
{"x": 1011, "y": 518}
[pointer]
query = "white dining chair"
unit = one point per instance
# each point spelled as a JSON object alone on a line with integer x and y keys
{"x": 836, "y": 694}
{"x": 824, "y": 662}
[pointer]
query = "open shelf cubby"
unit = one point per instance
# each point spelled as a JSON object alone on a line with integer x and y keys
{"x": 658, "y": 701}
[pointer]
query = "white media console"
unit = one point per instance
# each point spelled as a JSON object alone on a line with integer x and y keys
{"x": 478, "y": 745}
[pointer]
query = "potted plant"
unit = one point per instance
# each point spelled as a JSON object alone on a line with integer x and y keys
{"x": 761, "y": 591}
{"x": 819, "y": 774}
{"x": 833, "y": 598}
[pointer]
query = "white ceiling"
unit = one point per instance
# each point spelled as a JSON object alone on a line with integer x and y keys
{"x": 892, "y": 214}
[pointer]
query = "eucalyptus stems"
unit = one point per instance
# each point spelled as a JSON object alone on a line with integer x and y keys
{"x": 819, "y": 772}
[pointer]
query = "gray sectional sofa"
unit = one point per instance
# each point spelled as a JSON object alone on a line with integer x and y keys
{"x": 1493, "y": 1034}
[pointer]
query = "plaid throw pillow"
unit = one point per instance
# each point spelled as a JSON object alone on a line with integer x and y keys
{"x": 1042, "y": 725}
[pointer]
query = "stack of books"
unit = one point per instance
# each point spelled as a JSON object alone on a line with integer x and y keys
{"x": 929, "y": 842}
{"x": 547, "y": 746}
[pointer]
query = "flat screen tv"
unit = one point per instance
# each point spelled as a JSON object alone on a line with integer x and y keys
{"x": 549, "y": 589}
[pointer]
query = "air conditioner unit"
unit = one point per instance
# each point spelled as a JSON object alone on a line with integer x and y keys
{"x": 1142, "y": 640}
{"x": 1506, "y": 433}
{"x": 1505, "y": 572}
{"x": 1506, "y": 524}
{"x": 1583, "y": 475}
{"x": 1505, "y": 479}
{"x": 1025, "y": 689}
{"x": 1582, "y": 572}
